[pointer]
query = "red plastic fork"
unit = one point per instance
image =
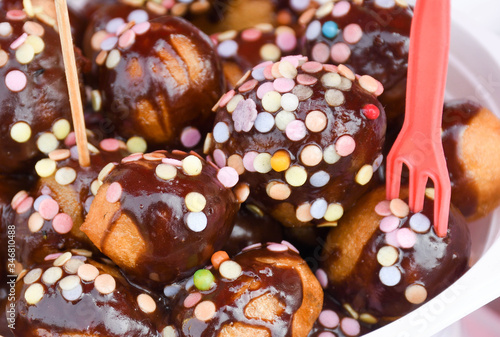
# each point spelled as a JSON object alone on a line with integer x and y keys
{"x": 419, "y": 145}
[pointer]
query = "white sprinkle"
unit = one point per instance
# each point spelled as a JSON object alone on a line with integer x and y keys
{"x": 221, "y": 132}
{"x": 196, "y": 221}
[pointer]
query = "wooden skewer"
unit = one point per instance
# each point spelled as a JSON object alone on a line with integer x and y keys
{"x": 75, "y": 97}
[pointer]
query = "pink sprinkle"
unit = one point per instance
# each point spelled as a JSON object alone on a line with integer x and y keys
{"x": 48, "y": 209}
{"x": 296, "y": 130}
{"x": 312, "y": 67}
{"x": 330, "y": 68}
{"x": 19, "y": 41}
{"x": 172, "y": 161}
{"x": 263, "y": 64}
{"x": 406, "y": 238}
{"x": 391, "y": 239}
{"x": 283, "y": 85}
{"x": 320, "y": 52}
{"x": 46, "y": 190}
{"x": 251, "y": 34}
{"x": 345, "y": 145}
{"x": 168, "y": 3}
{"x": 18, "y": 199}
{"x": 326, "y": 334}
{"x": 340, "y": 52}
{"x": 114, "y": 192}
{"x": 190, "y": 137}
{"x": 389, "y": 224}
{"x": 322, "y": 278}
{"x": 226, "y": 98}
{"x": 122, "y": 29}
{"x": 62, "y": 223}
{"x": 191, "y": 300}
{"x": 220, "y": 158}
{"x": 25, "y": 205}
{"x": 51, "y": 257}
{"x": 295, "y": 60}
{"x": 264, "y": 89}
{"x": 268, "y": 72}
{"x": 109, "y": 144}
{"x": 127, "y": 39}
{"x": 329, "y": 319}
{"x": 341, "y": 8}
{"x": 305, "y": 79}
{"x": 248, "y": 159}
{"x": 353, "y": 33}
{"x": 380, "y": 89}
{"x": 244, "y": 115}
{"x": 132, "y": 158}
{"x": 141, "y": 28}
{"x": 289, "y": 245}
{"x": 350, "y": 326}
{"x": 16, "y": 15}
{"x": 253, "y": 246}
{"x": 228, "y": 176}
{"x": 383, "y": 208}
{"x": 70, "y": 139}
{"x": 277, "y": 247}
{"x": 248, "y": 85}
{"x": 286, "y": 41}
{"x": 16, "y": 81}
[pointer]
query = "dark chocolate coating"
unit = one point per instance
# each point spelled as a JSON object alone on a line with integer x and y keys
{"x": 74, "y": 200}
{"x": 382, "y": 51}
{"x": 165, "y": 248}
{"x": 92, "y": 314}
{"x": 249, "y": 228}
{"x": 346, "y": 119}
{"x": 279, "y": 277}
{"x": 40, "y": 104}
{"x": 433, "y": 262}
{"x": 164, "y": 82}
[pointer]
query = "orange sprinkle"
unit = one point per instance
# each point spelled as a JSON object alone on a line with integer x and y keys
{"x": 280, "y": 161}
{"x": 218, "y": 258}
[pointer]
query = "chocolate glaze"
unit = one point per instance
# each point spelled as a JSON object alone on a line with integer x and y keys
{"x": 93, "y": 313}
{"x": 434, "y": 262}
{"x": 158, "y": 210}
{"x": 42, "y": 102}
{"x": 263, "y": 273}
{"x": 456, "y": 117}
{"x": 150, "y": 92}
{"x": 346, "y": 119}
{"x": 73, "y": 199}
{"x": 382, "y": 51}
{"x": 249, "y": 228}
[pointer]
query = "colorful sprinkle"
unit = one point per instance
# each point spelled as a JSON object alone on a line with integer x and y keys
{"x": 192, "y": 165}
{"x": 197, "y": 222}
{"x": 390, "y": 276}
{"x": 221, "y": 132}
{"x": 389, "y": 223}
{"x": 387, "y": 256}
{"x": 228, "y": 176}
{"x": 399, "y": 208}
{"x": 296, "y": 176}
{"x": 283, "y": 118}
{"x": 319, "y": 179}
{"x": 320, "y": 52}
{"x": 245, "y": 115}
{"x": 34, "y": 294}
{"x": 322, "y": 278}
{"x": 416, "y": 294}
{"x": 330, "y": 29}
{"x": 278, "y": 191}
{"x": 205, "y": 311}
{"x": 146, "y": 303}
{"x": 52, "y": 275}
{"x": 203, "y": 279}
{"x": 296, "y": 130}
{"x": 345, "y": 145}
{"x": 330, "y": 155}
{"x": 262, "y": 163}
{"x": 334, "y": 212}
{"x": 334, "y": 97}
{"x": 48, "y": 209}
{"x": 420, "y": 223}
{"x": 87, "y": 272}
{"x": 62, "y": 223}
{"x": 230, "y": 270}
{"x": 350, "y": 326}
{"x": 319, "y": 208}
{"x": 406, "y": 238}
{"x": 20, "y": 132}
{"x": 35, "y": 222}
{"x": 364, "y": 175}
{"x": 311, "y": 155}
{"x": 192, "y": 299}
{"x": 264, "y": 122}
{"x": 303, "y": 213}
{"x": 340, "y": 52}
{"x": 105, "y": 284}
{"x": 280, "y": 161}
{"x": 329, "y": 319}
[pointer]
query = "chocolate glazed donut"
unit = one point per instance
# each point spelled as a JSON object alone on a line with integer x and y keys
{"x": 266, "y": 291}
{"x": 159, "y": 79}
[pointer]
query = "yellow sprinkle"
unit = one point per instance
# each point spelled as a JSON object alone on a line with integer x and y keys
{"x": 113, "y": 59}
{"x": 192, "y": 165}
{"x": 227, "y": 35}
{"x": 283, "y": 118}
{"x": 34, "y": 294}
{"x": 296, "y": 176}
{"x": 368, "y": 319}
{"x": 94, "y": 187}
{"x": 233, "y": 103}
{"x": 105, "y": 171}
{"x": 287, "y": 69}
{"x": 271, "y": 101}
{"x": 330, "y": 155}
{"x": 20, "y": 132}
{"x": 136, "y": 145}
{"x": 47, "y": 142}
{"x": 280, "y": 161}
{"x": 25, "y": 53}
{"x": 387, "y": 256}
{"x": 61, "y": 129}
{"x": 430, "y": 193}
{"x": 166, "y": 171}
{"x": 351, "y": 311}
{"x": 334, "y": 212}
{"x": 364, "y": 175}
{"x": 270, "y": 52}
{"x": 195, "y": 202}
{"x": 262, "y": 163}
{"x": 45, "y": 167}
{"x": 36, "y": 42}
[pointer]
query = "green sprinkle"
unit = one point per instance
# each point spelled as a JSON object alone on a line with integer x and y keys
{"x": 203, "y": 279}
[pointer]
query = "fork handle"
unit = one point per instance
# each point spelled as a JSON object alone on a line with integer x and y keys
{"x": 428, "y": 60}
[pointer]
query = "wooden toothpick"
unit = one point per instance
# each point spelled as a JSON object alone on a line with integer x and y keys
{"x": 75, "y": 97}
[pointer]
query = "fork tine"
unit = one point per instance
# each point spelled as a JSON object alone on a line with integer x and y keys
{"x": 442, "y": 196}
{"x": 418, "y": 182}
{"x": 394, "y": 170}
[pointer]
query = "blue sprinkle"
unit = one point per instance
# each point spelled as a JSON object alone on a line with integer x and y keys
{"x": 330, "y": 29}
